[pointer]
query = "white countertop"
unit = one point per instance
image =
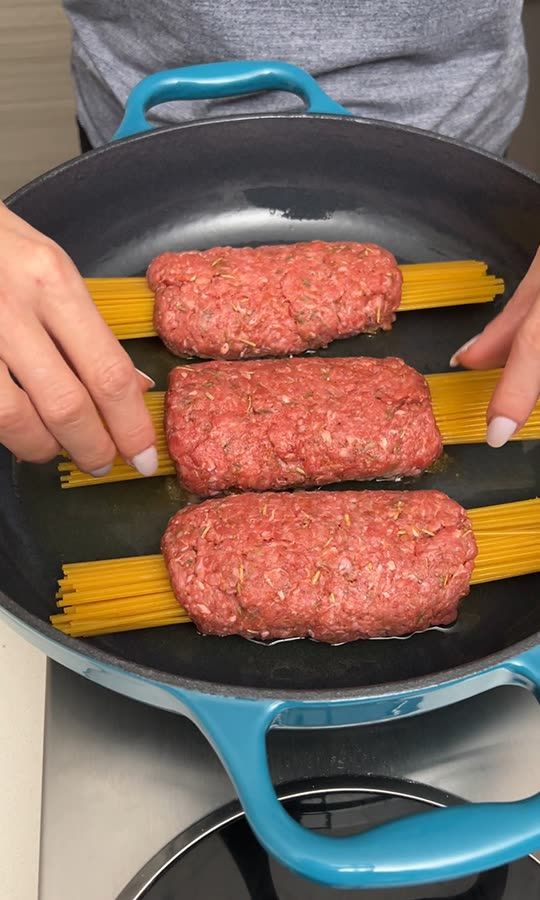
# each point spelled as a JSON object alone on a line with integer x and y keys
{"x": 22, "y": 677}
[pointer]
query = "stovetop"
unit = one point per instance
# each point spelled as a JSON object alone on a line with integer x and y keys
{"x": 121, "y": 780}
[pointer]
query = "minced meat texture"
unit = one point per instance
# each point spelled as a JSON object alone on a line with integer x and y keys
{"x": 272, "y": 424}
{"x": 232, "y": 303}
{"x": 333, "y": 566}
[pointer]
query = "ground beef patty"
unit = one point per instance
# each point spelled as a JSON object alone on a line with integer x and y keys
{"x": 230, "y": 303}
{"x": 283, "y": 423}
{"x": 334, "y": 566}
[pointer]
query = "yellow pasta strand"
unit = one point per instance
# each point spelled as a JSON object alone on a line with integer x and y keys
{"x": 127, "y": 304}
{"x": 116, "y": 595}
{"x": 460, "y": 401}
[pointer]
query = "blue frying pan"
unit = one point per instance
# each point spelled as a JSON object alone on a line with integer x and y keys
{"x": 323, "y": 174}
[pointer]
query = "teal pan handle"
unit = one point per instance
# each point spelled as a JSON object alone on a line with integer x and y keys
{"x": 224, "y": 79}
{"x": 429, "y": 847}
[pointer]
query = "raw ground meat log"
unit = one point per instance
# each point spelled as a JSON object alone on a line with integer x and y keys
{"x": 333, "y": 566}
{"x": 231, "y": 303}
{"x": 272, "y": 424}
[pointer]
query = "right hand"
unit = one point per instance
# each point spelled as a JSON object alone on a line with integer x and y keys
{"x": 76, "y": 388}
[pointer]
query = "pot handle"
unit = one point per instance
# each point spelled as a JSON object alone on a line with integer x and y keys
{"x": 223, "y": 79}
{"x": 428, "y": 847}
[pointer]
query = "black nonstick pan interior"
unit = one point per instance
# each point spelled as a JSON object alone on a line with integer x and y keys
{"x": 259, "y": 180}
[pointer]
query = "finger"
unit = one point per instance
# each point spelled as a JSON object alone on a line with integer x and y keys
{"x": 104, "y": 367}
{"x": 145, "y": 382}
{"x": 21, "y": 429}
{"x": 519, "y": 386}
{"x": 491, "y": 347}
{"x": 60, "y": 399}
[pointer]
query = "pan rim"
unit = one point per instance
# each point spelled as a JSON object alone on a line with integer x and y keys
{"x": 344, "y": 121}
{"x": 312, "y": 696}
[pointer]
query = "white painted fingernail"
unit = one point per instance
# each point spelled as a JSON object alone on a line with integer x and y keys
{"x": 146, "y": 462}
{"x": 500, "y": 430}
{"x": 144, "y": 375}
{"x": 99, "y": 473}
{"x": 454, "y": 361}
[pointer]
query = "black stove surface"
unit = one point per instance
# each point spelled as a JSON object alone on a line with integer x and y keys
{"x": 221, "y": 859}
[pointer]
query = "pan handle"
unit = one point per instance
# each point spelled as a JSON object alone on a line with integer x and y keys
{"x": 223, "y": 79}
{"x": 435, "y": 846}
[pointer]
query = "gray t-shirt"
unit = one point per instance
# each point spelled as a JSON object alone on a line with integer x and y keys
{"x": 457, "y": 67}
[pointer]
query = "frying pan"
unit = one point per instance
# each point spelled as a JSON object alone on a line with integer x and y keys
{"x": 246, "y": 180}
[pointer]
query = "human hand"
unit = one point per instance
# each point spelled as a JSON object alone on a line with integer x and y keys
{"x": 511, "y": 340}
{"x": 76, "y": 387}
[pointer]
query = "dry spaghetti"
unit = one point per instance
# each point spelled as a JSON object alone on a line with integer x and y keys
{"x": 127, "y": 304}
{"x": 127, "y": 594}
{"x": 460, "y": 400}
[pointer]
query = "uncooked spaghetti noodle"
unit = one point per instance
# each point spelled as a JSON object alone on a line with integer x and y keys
{"x": 460, "y": 400}
{"x": 127, "y": 304}
{"x": 128, "y": 594}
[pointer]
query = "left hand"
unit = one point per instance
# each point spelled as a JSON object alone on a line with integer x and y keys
{"x": 511, "y": 340}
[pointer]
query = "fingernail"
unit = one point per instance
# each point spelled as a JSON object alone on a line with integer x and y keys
{"x": 146, "y": 462}
{"x": 454, "y": 361}
{"x": 144, "y": 375}
{"x": 99, "y": 473}
{"x": 500, "y": 430}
